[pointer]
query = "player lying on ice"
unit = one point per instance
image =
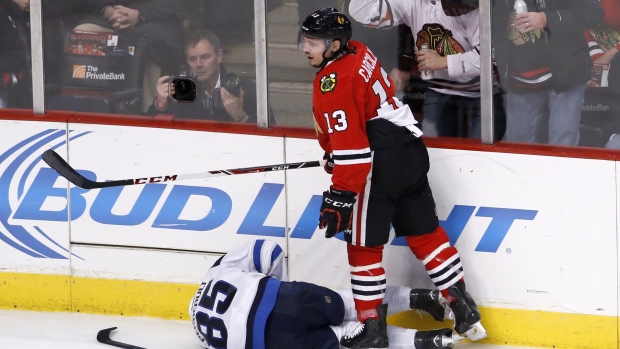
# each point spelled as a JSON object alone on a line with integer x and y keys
{"x": 246, "y": 302}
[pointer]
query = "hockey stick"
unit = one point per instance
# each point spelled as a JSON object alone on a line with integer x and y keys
{"x": 103, "y": 336}
{"x": 56, "y": 162}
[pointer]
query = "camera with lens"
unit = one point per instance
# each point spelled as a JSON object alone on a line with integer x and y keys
{"x": 184, "y": 83}
{"x": 232, "y": 83}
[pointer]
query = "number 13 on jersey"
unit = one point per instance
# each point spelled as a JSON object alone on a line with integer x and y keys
{"x": 337, "y": 120}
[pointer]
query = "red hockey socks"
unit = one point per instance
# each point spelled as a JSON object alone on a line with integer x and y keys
{"x": 368, "y": 280}
{"x": 442, "y": 261}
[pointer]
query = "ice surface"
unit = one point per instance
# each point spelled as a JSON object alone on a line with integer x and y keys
{"x": 34, "y": 330}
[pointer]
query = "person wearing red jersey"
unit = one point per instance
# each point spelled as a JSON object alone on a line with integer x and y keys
{"x": 379, "y": 168}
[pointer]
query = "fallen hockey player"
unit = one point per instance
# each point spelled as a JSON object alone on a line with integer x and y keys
{"x": 246, "y": 301}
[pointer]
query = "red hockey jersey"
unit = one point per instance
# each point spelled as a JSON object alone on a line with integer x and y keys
{"x": 347, "y": 93}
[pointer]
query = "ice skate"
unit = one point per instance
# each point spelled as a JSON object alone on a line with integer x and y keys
{"x": 372, "y": 334}
{"x": 443, "y": 338}
{"x": 431, "y": 302}
{"x": 466, "y": 314}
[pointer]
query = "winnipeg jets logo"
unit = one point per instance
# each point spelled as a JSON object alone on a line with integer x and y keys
{"x": 328, "y": 83}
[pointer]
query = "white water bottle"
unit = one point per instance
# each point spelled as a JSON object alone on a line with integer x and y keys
{"x": 520, "y": 6}
{"x": 425, "y": 74}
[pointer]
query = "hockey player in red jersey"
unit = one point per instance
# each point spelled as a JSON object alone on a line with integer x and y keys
{"x": 379, "y": 176}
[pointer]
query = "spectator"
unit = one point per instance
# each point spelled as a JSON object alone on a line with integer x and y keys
{"x": 156, "y": 18}
{"x": 544, "y": 56}
{"x": 293, "y": 314}
{"x": 604, "y": 43}
{"x": 204, "y": 57}
{"x": 378, "y": 165}
{"x": 450, "y": 29}
{"x": 605, "y": 38}
{"x": 614, "y": 103}
{"x": 16, "y": 83}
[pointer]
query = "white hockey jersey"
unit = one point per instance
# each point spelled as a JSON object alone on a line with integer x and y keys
{"x": 455, "y": 37}
{"x": 231, "y": 307}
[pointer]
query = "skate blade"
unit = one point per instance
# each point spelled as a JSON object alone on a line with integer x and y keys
{"x": 448, "y": 314}
{"x": 448, "y": 342}
{"x": 476, "y": 332}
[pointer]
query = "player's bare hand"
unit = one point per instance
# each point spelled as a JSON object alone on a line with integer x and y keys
{"x": 526, "y": 22}
{"x": 233, "y": 104}
{"x": 431, "y": 60}
{"x": 165, "y": 89}
{"x": 400, "y": 78}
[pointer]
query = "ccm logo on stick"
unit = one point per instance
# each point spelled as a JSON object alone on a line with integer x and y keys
{"x": 155, "y": 179}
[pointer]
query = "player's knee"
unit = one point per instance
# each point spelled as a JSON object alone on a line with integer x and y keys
{"x": 432, "y": 243}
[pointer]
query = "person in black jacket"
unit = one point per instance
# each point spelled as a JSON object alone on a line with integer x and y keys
{"x": 543, "y": 58}
{"x": 15, "y": 78}
{"x": 214, "y": 101}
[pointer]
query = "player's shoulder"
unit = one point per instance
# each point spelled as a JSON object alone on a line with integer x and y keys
{"x": 356, "y": 48}
{"x": 348, "y": 65}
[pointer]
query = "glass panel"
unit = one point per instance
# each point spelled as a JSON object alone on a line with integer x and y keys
{"x": 290, "y": 76}
{"x": 448, "y": 105}
{"x": 438, "y": 61}
{"x": 123, "y": 59}
{"x": 15, "y": 66}
{"x": 561, "y": 89}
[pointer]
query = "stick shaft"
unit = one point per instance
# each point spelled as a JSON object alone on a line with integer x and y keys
{"x": 56, "y": 162}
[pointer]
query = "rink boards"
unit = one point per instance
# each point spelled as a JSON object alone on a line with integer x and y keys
{"x": 537, "y": 234}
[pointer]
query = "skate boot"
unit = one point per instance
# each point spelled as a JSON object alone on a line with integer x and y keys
{"x": 372, "y": 334}
{"x": 443, "y": 338}
{"x": 429, "y": 301}
{"x": 466, "y": 314}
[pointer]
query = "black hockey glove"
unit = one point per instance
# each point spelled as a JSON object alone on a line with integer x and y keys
{"x": 329, "y": 163}
{"x": 336, "y": 211}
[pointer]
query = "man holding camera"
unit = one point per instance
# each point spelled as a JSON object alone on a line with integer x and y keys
{"x": 219, "y": 95}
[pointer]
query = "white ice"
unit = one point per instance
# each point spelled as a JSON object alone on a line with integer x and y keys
{"x": 34, "y": 330}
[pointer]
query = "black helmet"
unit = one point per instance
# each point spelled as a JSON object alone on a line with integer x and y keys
{"x": 329, "y": 24}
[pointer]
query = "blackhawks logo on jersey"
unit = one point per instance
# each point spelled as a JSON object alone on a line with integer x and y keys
{"x": 328, "y": 83}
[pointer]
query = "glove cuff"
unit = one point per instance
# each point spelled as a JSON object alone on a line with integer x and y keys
{"x": 341, "y": 193}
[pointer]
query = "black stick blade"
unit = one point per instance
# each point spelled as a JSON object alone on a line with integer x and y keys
{"x": 59, "y": 164}
{"x": 103, "y": 336}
